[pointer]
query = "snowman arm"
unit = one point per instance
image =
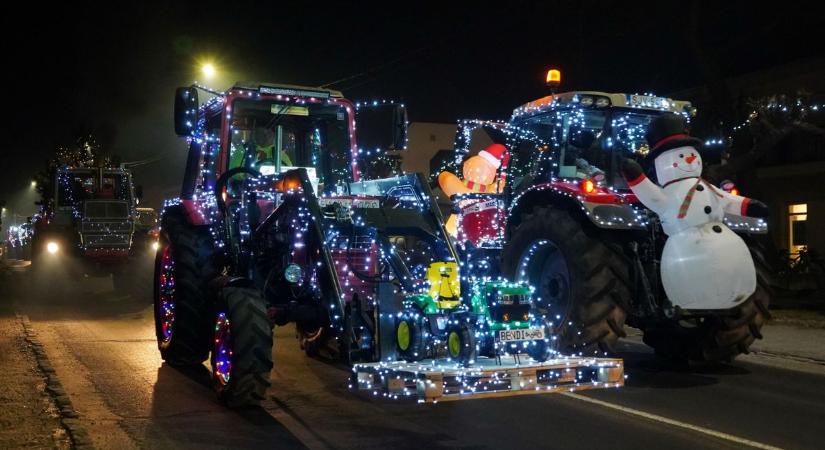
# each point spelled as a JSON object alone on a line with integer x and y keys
{"x": 743, "y": 206}
{"x": 649, "y": 193}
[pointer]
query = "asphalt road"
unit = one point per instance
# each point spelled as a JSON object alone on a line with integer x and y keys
{"x": 104, "y": 352}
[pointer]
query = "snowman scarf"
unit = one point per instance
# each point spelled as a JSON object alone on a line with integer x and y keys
{"x": 683, "y": 209}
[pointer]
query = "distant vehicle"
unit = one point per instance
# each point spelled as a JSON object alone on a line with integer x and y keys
{"x": 89, "y": 227}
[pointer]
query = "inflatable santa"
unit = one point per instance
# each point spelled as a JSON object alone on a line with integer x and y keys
{"x": 704, "y": 264}
{"x": 480, "y": 175}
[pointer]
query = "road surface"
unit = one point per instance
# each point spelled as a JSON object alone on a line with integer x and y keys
{"x": 104, "y": 351}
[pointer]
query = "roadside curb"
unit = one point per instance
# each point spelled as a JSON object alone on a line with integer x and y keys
{"x": 797, "y": 358}
{"x": 68, "y": 415}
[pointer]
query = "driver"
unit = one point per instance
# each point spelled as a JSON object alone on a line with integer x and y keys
{"x": 265, "y": 146}
{"x": 585, "y": 149}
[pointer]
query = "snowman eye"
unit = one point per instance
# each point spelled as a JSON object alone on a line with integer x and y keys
{"x": 681, "y": 156}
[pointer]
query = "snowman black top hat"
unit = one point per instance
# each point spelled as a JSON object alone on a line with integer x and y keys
{"x": 666, "y": 132}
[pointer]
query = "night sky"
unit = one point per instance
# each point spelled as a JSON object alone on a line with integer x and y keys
{"x": 111, "y": 70}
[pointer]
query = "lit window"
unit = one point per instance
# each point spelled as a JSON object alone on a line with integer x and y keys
{"x": 797, "y": 224}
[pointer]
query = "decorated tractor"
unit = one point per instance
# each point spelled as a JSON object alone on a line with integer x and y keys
{"x": 570, "y": 222}
{"x": 87, "y": 227}
{"x": 277, "y": 224}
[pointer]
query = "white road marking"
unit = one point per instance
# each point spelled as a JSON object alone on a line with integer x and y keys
{"x": 672, "y": 422}
{"x": 303, "y": 434}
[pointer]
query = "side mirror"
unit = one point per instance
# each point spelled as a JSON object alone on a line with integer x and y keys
{"x": 381, "y": 127}
{"x": 186, "y": 110}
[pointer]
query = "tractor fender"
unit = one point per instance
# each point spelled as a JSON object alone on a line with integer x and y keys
{"x": 603, "y": 209}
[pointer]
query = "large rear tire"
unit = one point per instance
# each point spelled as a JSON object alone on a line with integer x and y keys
{"x": 717, "y": 339}
{"x": 242, "y": 347}
{"x": 184, "y": 266}
{"x": 583, "y": 285}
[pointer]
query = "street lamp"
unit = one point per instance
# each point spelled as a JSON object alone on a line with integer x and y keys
{"x": 208, "y": 70}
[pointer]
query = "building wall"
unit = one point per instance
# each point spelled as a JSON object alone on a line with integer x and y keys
{"x": 781, "y": 186}
{"x": 425, "y": 139}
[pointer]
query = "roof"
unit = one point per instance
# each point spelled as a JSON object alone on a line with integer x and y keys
{"x": 616, "y": 100}
{"x": 286, "y": 89}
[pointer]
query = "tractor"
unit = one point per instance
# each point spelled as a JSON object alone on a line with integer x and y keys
{"x": 568, "y": 225}
{"x": 88, "y": 227}
{"x": 277, "y": 224}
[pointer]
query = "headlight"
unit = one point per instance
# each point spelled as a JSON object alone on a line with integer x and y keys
{"x": 293, "y": 273}
{"x": 601, "y": 102}
{"x": 52, "y": 247}
{"x": 586, "y": 100}
{"x": 155, "y": 246}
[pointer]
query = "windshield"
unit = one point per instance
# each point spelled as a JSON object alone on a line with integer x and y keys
{"x": 629, "y": 132}
{"x": 75, "y": 186}
{"x": 274, "y": 137}
{"x": 628, "y": 139}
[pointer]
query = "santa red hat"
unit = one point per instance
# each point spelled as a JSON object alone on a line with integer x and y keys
{"x": 494, "y": 154}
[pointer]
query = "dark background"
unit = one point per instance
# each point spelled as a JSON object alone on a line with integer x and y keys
{"x": 110, "y": 69}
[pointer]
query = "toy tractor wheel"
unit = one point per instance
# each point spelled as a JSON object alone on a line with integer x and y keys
{"x": 183, "y": 267}
{"x": 716, "y": 339}
{"x": 242, "y": 347}
{"x": 411, "y": 335}
{"x": 461, "y": 344}
{"x": 582, "y": 284}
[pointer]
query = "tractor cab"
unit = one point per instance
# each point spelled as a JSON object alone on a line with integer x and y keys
{"x": 270, "y": 129}
{"x": 584, "y": 135}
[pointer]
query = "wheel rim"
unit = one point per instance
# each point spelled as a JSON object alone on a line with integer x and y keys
{"x": 222, "y": 370}
{"x": 403, "y": 335}
{"x": 166, "y": 294}
{"x": 454, "y": 344}
{"x": 544, "y": 266}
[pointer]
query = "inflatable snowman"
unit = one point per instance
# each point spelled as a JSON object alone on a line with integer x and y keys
{"x": 704, "y": 264}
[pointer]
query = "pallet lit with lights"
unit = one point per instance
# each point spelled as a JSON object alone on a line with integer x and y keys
{"x": 440, "y": 380}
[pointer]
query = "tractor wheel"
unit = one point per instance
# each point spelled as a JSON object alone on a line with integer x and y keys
{"x": 461, "y": 344}
{"x": 583, "y": 285}
{"x": 242, "y": 347}
{"x": 184, "y": 266}
{"x": 411, "y": 335}
{"x": 716, "y": 339}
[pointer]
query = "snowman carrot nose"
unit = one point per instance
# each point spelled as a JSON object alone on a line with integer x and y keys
{"x": 690, "y": 159}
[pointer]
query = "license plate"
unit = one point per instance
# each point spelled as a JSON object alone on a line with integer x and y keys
{"x": 648, "y": 101}
{"x": 527, "y": 334}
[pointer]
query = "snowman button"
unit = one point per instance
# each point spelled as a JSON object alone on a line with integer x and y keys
{"x": 700, "y": 188}
{"x": 717, "y": 228}
{"x": 708, "y": 209}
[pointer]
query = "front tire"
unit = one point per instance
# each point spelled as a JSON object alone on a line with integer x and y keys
{"x": 184, "y": 266}
{"x": 583, "y": 285}
{"x": 242, "y": 347}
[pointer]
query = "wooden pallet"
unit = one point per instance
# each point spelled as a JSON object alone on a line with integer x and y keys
{"x": 434, "y": 381}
